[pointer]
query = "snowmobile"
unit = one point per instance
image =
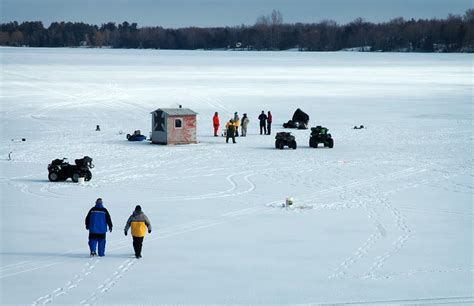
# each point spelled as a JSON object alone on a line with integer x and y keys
{"x": 61, "y": 170}
{"x": 285, "y": 139}
{"x": 320, "y": 134}
{"x": 136, "y": 136}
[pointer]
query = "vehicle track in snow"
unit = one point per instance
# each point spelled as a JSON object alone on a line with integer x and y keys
{"x": 371, "y": 199}
{"x": 81, "y": 97}
{"x": 357, "y": 193}
{"x": 468, "y": 300}
{"x": 343, "y": 204}
{"x": 413, "y": 272}
{"x": 120, "y": 272}
{"x": 87, "y": 269}
{"x": 230, "y": 192}
{"x": 29, "y": 189}
{"x": 202, "y": 224}
{"x": 404, "y": 233}
{"x": 113, "y": 245}
{"x": 111, "y": 281}
{"x": 125, "y": 266}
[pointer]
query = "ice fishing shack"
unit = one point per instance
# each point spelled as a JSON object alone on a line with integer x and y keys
{"x": 173, "y": 126}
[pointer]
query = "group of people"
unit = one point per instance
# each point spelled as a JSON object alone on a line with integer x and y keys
{"x": 98, "y": 220}
{"x": 265, "y": 123}
{"x": 232, "y": 126}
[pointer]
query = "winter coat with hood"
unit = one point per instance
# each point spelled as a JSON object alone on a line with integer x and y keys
{"x": 262, "y": 118}
{"x": 139, "y": 223}
{"x": 215, "y": 121}
{"x": 245, "y": 121}
{"x": 236, "y": 120}
{"x": 98, "y": 219}
{"x": 230, "y": 126}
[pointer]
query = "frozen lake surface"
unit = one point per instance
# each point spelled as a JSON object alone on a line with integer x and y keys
{"x": 384, "y": 217}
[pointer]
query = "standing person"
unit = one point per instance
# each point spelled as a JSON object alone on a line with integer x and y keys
{"x": 97, "y": 221}
{"x": 263, "y": 121}
{"x": 236, "y": 123}
{"x": 215, "y": 123}
{"x": 245, "y": 123}
{"x": 269, "y": 123}
{"x": 139, "y": 222}
{"x": 230, "y": 131}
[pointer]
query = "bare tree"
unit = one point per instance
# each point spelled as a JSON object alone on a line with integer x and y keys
{"x": 276, "y": 21}
{"x": 263, "y": 35}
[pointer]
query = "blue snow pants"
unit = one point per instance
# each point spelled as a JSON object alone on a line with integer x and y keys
{"x": 93, "y": 242}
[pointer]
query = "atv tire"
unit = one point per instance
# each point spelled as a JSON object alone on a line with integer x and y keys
{"x": 331, "y": 143}
{"x": 53, "y": 177}
{"x": 88, "y": 176}
{"x": 293, "y": 145}
{"x": 75, "y": 177}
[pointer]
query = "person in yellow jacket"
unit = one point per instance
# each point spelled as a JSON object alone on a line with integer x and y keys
{"x": 139, "y": 223}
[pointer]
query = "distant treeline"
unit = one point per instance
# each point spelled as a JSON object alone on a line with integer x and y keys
{"x": 452, "y": 34}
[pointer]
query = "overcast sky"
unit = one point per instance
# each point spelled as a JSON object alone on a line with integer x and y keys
{"x": 204, "y": 13}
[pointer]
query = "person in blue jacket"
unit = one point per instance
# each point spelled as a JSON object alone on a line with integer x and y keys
{"x": 97, "y": 221}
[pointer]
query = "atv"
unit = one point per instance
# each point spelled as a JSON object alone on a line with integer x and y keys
{"x": 61, "y": 170}
{"x": 136, "y": 136}
{"x": 320, "y": 134}
{"x": 285, "y": 139}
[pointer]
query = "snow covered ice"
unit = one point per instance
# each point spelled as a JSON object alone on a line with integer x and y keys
{"x": 387, "y": 212}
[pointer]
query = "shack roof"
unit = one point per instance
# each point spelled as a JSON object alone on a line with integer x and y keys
{"x": 176, "y": 111}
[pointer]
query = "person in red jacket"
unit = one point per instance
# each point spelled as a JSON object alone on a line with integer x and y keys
{"x": 269, "y": 123}
{"x": 215, "y": 122}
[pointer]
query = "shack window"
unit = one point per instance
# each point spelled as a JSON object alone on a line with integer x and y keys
{"x": 178, "y": 123}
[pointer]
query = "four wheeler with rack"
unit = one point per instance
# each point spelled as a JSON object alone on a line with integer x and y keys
{"x": 61, "y": 170}
{"x": 285, "y": 139}
{"x": 320, "y": 134}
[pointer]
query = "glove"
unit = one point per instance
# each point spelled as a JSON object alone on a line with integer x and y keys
{"x": 110, "y": 230}
{"x": 149, "y": 231}
{"x": 125, "y": 232}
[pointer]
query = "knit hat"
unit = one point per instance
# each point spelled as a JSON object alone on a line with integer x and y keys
{"x": 98, "y": 201}
{"x": 138, "y": 208}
